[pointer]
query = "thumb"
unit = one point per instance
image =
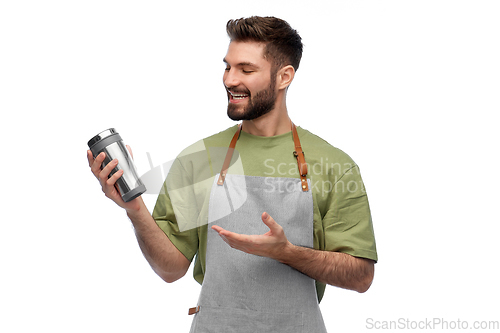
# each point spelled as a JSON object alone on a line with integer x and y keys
{"x": 269, "y": 221}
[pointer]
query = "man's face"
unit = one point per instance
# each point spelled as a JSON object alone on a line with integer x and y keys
{"x": 250, "y": 85}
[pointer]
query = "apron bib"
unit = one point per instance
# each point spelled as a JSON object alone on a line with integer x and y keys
{"x": 245, "y": 293}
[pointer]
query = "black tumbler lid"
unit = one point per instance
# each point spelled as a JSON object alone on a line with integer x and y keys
{"x": 100, "y": 136}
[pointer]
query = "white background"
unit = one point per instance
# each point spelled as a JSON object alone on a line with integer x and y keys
{"x": 407, "y": 88}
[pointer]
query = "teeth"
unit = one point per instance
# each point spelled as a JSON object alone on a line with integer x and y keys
{"x": 238, "y": 96}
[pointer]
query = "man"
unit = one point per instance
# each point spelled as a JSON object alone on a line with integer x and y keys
{"x": 278, "y": 216}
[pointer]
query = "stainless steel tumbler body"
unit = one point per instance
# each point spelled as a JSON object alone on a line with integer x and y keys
{"x": 110, "y": 142}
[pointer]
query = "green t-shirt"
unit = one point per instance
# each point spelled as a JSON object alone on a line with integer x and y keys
{"x": 342, "y": 219}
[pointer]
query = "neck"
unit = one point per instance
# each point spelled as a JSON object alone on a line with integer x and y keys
{"x": 275, "y": 122}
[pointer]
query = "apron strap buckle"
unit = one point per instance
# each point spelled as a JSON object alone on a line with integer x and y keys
{"x": 194, "y": 310}
{"x": 301, "y": 160}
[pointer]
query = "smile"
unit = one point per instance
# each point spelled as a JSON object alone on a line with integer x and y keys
{"x": 237, "y": 96}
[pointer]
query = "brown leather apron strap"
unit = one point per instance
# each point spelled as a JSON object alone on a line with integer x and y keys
{"x": 298, "y": 153}
{"x": 301, "y": 160}
{"x": 229, "y": 155}
{"x": 194, "y": 310}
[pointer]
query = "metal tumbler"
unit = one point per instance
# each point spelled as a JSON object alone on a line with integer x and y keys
{"x": 110, "y": 142}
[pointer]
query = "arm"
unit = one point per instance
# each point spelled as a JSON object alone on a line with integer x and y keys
{"x": 334, "y": 268}
{"x": 165, "y": 259}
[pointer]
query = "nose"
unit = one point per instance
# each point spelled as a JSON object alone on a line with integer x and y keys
{"x": 230, "y": 79}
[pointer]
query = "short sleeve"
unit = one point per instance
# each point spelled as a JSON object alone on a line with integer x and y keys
{"x": 348, "y": 223}
{"x": 186, "y": 241}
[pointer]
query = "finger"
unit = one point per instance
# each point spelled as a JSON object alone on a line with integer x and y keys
{"x": 130, "y": 151}
{"x": 268, "y": 220}
{"x": 234, "y": 238}
{"x": 220, "y": 231}
{"x": 112, "y": 180}
{"x": 229, "y": 236}
{"x": 96, "y": 165}
{"x": 273, "y": 226}
{"x": 90, "y": 158}
{"x": 223, "y": 233}
{"x": 217, "y": 228}
{"x": 104, "y": 174}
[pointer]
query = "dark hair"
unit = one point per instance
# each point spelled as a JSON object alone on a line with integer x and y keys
{"x": 283, "y": 44}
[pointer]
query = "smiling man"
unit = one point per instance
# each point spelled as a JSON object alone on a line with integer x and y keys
{"x": 242, "y": 75}
{"x": 266, "y": 240}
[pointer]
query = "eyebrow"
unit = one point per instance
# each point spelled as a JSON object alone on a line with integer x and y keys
{"x": 244, "y": 63}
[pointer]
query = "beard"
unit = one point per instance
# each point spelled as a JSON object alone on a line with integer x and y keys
{"x": 262, "y": 103}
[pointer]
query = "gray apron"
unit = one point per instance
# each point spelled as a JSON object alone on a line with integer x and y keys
{"x": 244, "y": 293}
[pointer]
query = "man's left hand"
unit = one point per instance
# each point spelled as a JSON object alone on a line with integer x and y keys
{"x": 272, "y": 244}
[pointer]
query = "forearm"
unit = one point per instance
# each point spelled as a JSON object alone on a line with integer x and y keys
{"x": 165, "y": 259}
{"x": 334, "y": 268}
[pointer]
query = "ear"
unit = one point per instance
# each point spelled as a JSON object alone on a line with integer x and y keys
{"x": 285, "y": 77}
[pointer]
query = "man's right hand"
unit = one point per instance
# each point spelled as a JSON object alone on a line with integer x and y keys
{"x": 108, "y": 183}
